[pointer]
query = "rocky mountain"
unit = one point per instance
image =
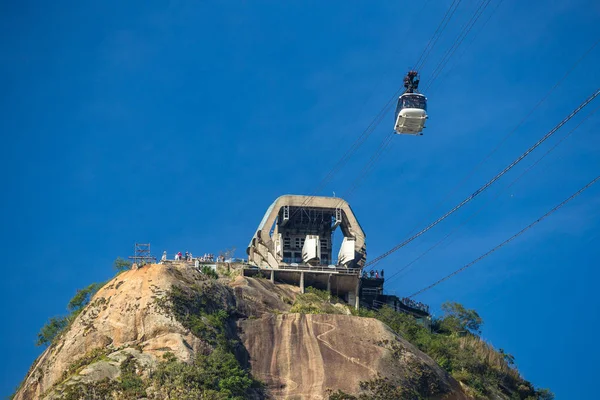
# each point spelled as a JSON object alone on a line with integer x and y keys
{"x": 169, "y": 331}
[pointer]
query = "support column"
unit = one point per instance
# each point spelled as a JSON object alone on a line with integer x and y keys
{"x": 329, "y": 286}
{"x": 357, "y": 295}
{"x": 273, "y": 276}
{"x": 301, "y": 282}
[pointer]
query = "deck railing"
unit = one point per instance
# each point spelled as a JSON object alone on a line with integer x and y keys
{"x": 333, "y": 270}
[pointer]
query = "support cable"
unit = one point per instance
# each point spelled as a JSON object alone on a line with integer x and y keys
{"x": 458, "y": 41}
{"x": 489, "y": 183}
{"x": 509, "y": 134}
{"x": 507, "y": 240}
{"x": 379, "y": 117}
{"x": 497, "y": 195}
{"x": 435, "y": 37}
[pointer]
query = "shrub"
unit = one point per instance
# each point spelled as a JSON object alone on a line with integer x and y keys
{"x": 89, "y": 358}
{"x": 51, "y": 330}
{"x": 468, "y": 358}
{"x": 321, "y": 294}
{"x": 121, "y": 264}
{"x": 459, "y": 319}
{"x": 208, "y": 271}
{"x": 83, "y": 297}
{"x": 215, "y": 376}
{"x": 131, "y": 385}
{"x": 56, "y": 325}
{"x": 315, "y": 301}
{"x": 306, "y": 309}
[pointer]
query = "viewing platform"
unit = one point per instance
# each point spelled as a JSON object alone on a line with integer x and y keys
{"x": 339, "y": 281}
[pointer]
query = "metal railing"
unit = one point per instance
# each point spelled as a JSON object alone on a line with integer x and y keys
{"x": 415, "y": 306}
{"x": 333, "y": 270}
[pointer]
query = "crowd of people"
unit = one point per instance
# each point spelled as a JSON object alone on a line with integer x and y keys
{"x": 414, "y": 304}
{"x": 187, "y": 256}
{"x": 373, "y": 274}
{"x": 211, "y": 258}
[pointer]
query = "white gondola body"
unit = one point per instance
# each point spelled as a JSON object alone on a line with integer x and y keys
{"x": 411, "y": 115}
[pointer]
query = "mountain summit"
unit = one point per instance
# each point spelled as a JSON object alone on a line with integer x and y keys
{"x": 171, "y": 331}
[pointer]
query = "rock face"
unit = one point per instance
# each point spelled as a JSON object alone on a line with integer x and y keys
{"x": 297, "y": 356}
{"x": 300, "y": 356}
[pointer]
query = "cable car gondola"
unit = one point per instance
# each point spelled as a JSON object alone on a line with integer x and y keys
{"x": 411, "y": 111}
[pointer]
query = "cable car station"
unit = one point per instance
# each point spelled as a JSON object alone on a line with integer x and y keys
{"x": 293, "y": 244}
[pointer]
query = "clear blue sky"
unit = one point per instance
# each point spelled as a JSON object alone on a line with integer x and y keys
{"x": 178, "y": 124}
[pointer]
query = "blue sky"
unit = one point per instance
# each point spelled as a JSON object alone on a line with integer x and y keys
{"x": 178, "y": 124}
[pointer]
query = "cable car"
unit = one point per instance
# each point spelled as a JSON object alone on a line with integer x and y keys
{"x": 411, "y": 111}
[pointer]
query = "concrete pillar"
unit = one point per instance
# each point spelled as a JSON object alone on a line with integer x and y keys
{"x": 273, "y": 276}
{"x": 301, "y": 282}
{"x": 357, "y": 296}
{"x": 329, "y": 285}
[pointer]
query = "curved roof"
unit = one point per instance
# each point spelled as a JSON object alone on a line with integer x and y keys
{"x": 350, "y": 225}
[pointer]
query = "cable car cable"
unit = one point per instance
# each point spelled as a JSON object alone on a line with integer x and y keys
{"x": 369, "y": 166}
{"x": 507, "y": 136}
{"x": 510, "y": 239}
{"x": 369, "y": 130}
{"x": 458, "y": 41}
{"x": 346, "y": 157}
{"x": 489, "y": 183}
{"x": 513, "y": 130}
{"x": 473, "y": 38}
{"x": 496, "y": 197}
{"x": 464, "y": 33}
{"x": 385, "y": 142}
{"x": 440, "y": 28}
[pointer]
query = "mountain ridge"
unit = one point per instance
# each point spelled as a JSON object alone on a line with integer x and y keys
{"x": 148, "y": 328}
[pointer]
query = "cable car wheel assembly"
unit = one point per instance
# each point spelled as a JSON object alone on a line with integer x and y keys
{"x": 411, "y": 110}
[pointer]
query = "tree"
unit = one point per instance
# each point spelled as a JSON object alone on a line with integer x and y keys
{"x": 83, "y": 297}
{"x": 544, "y": 394}
{"x": 457, "y": 318}
{"x": 51, "y": 329}
{"x": 121, "y": 264}
{"x": 509, "y": 358}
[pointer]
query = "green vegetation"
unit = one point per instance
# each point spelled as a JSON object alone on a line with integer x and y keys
{"x": 199, "y": 310}
{"x": 120, "y": 264}
{"x": 129, "y": 385}
{"x": 99, "y": 390}
{"x": 83, "y": 297}
{"x": 458, "y": 319}
{"x": 51, "y": 330}
{"x": 56, "y": 325}
{"x": 321, "y": 294}
{"x": 454, "y": 344}
{"x": 208, "y": 271}
{"x": 452, "y": 341}
{"x": 316, "y": 301}
{"x": 378, "y": 389}
{"x": 89, "y": 358}
{"x": 215, "y": 376}
{"x": 218, "y": 375}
